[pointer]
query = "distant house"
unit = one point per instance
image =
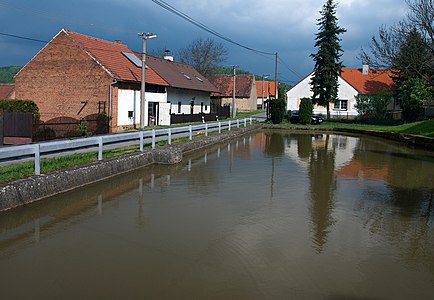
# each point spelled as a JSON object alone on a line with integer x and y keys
{"x": 352, "y": 82}
{"x": 76, "y": 77}
{"x": 245, "y": 94}
{"x": 7, "y": 91}
{"x": 268, "y": 92}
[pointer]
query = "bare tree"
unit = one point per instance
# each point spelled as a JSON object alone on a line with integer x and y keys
{"x": 386, "y": 46}
{"x": 204, "y": 55}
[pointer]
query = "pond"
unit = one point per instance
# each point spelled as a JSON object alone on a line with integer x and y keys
{"x": 272, "y": 215}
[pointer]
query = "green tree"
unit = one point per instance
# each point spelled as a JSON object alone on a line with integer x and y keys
{"x": 278, "y": 107}
{"x": 413, "y": 94}
{"x": 328, "y": 58}
{"x": 7, "y": 73}
{"x": 204, "y": 55}
{"x": 306, "y": 110}
{"x": 374, "y": 105}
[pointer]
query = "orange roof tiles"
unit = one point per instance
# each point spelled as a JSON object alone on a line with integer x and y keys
{"x": 6, "y": 90}
{"x": 376, "y": 80}
{"x": 225, "y": 85}
{"x": 269, "y": 88}
{"x": 109, "y": 55}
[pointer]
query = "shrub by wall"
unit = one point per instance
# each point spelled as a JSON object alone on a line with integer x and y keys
{"x": 305, "y": 111}
{"x": 9, "y": 105}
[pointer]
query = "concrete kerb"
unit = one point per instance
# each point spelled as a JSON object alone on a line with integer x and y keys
{"x": 409, "y": 139}
{"x": 36, "y": 188}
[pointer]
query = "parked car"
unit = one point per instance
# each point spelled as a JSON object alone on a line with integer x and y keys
{"x": 295, "y": 118}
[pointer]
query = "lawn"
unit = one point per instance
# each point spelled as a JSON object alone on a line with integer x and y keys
{"x": 424, "y": 128}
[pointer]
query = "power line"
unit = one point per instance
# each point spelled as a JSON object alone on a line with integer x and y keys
{"x": 202, "y": 26}
{"x": 23, "y": 37}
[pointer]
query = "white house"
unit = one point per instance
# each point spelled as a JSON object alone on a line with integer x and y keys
{"x": 352, "y": 82}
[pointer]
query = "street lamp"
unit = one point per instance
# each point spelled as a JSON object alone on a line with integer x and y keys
{"x": 234, "y": 111}
{"x": 143, "y": 108}
{"x": 263, "y": 77}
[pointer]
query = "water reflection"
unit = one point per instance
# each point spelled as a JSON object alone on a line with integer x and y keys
{"x": 276, "y": 215}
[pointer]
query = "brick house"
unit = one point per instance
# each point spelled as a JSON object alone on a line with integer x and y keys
{"x": 75, "y": 77}
{"x": 245, "y": 94}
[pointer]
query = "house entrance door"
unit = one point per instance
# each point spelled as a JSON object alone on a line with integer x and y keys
{"x": 153, "y": 113}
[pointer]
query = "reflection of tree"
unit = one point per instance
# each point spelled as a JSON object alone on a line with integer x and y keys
{"x": 304, "y": 146}
{"x": 403, "y": 213}
{"x": 322, "y": 188}
{"x": 274, "y": 144}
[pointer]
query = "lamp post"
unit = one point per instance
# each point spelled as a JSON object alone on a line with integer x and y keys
{"x": 143, "y": 108}
{"x": 263, "y": 77}
{"x": 234, "y": 111}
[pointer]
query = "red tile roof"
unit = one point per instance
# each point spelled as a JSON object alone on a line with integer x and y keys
{"x": 6, "y": 90}
{"x": 376, "y": 80}
{"x": 225, "y": 85}
{"x": 109, "y": 55}
{"x": 269, "y": 88}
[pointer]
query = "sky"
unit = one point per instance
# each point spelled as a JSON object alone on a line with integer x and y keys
{"x": 287, "y": 27}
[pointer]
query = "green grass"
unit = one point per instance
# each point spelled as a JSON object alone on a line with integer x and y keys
{"x": 424, "y": 128}
{"x": 17, "y": 171}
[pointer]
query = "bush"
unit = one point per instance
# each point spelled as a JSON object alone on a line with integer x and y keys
{"x": 44, "y": 133}
{"x": 278, "y": 108}
{"x": 82, "y": 130}
{"x": 9, "y": 105}
{"x": 413, "y": 94}
{"x": 305, "y": 112}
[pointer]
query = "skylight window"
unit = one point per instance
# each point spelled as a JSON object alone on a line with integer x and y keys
{"x": 134, "y": 59}
{"x": 198, "y": 78}
{"x": 186, "y": 76}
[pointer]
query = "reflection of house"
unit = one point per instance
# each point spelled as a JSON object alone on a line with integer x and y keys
{"x": 266, "y": 90}
{"x": 76, "y": 77}
{"x": 356, "y": 169}
{"x": 245, "y": 94}
{"x": 7, "y": 90}
{"x": 352, "y": 82}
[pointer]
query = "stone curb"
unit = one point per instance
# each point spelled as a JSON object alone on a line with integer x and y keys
{"x": 410, "y": 139}
{"x": 35, "y": 188}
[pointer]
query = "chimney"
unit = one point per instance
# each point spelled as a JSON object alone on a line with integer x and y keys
{"x": 118, "y": 42}
{"x": 167, "y": 55}
{"x": 365, "y": 69}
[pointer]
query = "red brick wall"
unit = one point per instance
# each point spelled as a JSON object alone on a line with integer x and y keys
{"x": 60, "y": 78}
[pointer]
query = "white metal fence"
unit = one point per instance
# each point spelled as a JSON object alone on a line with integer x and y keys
{"x": 112, "y": 141}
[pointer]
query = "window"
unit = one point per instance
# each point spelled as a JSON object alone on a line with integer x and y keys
{"x": 341, "y": 105}
{"x": 179, "y": 107}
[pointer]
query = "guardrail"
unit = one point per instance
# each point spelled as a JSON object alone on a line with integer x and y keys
{"x": 88, "y": 144}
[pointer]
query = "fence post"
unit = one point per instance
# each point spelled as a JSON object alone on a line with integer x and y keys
{"x": 153, "y": 138}
{"x": 206, "y": 129}
{"x": 250, "y": 120}
{"x": 245, "y": 122}
{"x": 99, "y": 148}
{"x": 141, "y": 140}
{"x": 169, "y": 137}
{"x": 37, "y": 159}
{"x": 190, "y": 132}
{"x": 220, "y": 127}
{"x": 238, "y": 123}
{"x": 229, "y": 127}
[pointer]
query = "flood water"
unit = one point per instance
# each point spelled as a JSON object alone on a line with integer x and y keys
{"x": 273, "y": 215}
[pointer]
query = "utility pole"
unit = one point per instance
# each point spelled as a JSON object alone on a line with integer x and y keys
{"x": 234, "y": 111}
{"x": 263, "y": 77}
{"x": 276, "y": 81}
{"x": 143, "y": 106}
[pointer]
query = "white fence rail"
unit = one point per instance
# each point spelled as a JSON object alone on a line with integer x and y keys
{"x": 112, "y": 141}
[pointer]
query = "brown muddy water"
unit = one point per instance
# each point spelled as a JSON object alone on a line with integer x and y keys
{"x": 273, "y": 215}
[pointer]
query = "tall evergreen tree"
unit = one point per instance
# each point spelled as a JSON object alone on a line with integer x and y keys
{"x": 327, "y": 60}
